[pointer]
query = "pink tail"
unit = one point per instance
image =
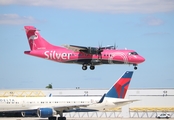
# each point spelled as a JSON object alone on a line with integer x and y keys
{"x": 36, "y": 42}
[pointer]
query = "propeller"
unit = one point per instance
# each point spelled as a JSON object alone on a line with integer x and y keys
{"x": 115, "y": 47}
{"x": 100, "y": 49}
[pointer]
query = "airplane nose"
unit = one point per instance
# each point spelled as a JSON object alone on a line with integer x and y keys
{"x": 141, "y": 59}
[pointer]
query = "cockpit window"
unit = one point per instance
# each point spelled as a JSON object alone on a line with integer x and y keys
{"x": 133, "y": 53}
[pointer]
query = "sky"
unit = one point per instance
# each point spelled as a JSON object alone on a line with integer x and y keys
{"x": 146, "y": 26}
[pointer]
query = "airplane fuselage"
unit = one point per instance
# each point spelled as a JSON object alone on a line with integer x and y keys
{"x": 33, "y": 103}
{"x": 107, "y": 57}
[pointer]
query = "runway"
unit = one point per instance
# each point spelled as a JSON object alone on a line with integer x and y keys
{"x": 28, "y": 118}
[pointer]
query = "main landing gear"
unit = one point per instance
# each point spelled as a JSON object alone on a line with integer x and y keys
{"x": 61, "y": 118}
{"x": 52, "y": 118}
{"x": 92, "y": 67}
{"x": 84, "y": 67}
{"x": 55, "y": 118}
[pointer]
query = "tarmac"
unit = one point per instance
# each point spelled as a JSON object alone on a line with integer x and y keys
{"x": 32, "y": 118}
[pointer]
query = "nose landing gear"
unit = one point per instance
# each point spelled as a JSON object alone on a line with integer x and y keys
{"x": 135, "y": 66}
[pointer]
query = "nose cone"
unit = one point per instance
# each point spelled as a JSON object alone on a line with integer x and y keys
{"x": 141, "y": 59}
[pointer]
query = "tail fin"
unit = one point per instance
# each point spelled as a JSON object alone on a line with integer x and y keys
{"x": 36, "y": 42}
{"x": 119, "y": 89}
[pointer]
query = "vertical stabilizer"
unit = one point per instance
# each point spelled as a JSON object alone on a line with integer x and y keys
{"x": 36, "y": 42}
{"x": 119, "y": 89}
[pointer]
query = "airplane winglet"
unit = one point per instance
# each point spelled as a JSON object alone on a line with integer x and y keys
{"x": 101, "y": 100}
{"x": 119, "y": 89}
{"x": 50, "y": 95}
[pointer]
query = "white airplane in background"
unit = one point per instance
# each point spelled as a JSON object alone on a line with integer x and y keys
{"x": 50, "y": 107}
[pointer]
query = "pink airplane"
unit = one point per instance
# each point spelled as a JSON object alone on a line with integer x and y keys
{"x": 85, "y": 56}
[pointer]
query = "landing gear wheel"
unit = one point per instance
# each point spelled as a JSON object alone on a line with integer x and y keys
{"x": 135, "y": 68}
{"x": 52, "y": 118}
{"x": 84, "y": 67}
{"x": 61, "y": 118}
{"x": 92, "y": 67}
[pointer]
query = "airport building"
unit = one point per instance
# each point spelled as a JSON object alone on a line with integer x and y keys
{"x": 151, "y": 102}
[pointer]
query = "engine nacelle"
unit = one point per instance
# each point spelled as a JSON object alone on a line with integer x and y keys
{"x": 29, "y": 114}
{"x": 46, "y": 112}
{"x": 93, "y": 50}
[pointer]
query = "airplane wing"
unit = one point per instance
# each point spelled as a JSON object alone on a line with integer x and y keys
{"x": 76, "y": 48}
{"x": 72, "y": 107}
{"x": 68, "y": 107}
{"x": 89, "y": 50}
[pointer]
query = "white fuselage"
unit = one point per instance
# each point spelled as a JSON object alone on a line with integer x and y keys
{"x": 33, "y": 103}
